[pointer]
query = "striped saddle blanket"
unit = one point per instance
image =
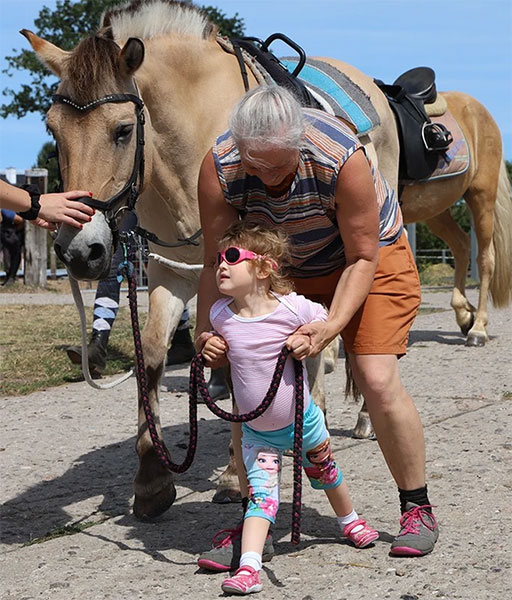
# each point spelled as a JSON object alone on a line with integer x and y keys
{"x": 337, "y": 93}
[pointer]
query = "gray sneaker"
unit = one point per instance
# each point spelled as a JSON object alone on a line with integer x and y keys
{"x": 225, "y": 552}
{"x": 418, "y": 532}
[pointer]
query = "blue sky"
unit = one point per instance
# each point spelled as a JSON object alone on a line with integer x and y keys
{"x": 467, "y": 42}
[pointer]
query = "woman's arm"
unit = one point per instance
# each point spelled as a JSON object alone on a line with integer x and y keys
{"x": 216, "y": 216}
{"x": 357, "y": 215}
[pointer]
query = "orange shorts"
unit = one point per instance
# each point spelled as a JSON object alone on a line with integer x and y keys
{"x": 382, "y": 323}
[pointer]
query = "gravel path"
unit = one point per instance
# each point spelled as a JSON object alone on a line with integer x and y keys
{"x": 68, "y": 459}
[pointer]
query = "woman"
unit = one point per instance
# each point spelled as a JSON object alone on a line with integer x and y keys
{"x": 280, "y": 164}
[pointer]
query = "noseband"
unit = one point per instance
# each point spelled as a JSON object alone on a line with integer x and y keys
{"x": 131, "y": 190}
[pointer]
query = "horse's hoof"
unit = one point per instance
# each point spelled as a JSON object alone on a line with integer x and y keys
{"x": 466, "y": 327}
{"x": 363, "y": 429}
{"x": 475, "y": 341}
{"x": 227, "y": 496}
{"x": 147, "y": 508}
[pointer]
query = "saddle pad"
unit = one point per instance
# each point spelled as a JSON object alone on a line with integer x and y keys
{"x": 337, "y": 92}
{"x": 457, "y": 154}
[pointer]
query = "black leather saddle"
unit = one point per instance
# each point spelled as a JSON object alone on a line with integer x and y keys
{"x": 259, "y": 50}
{"x": 422, "y": 142}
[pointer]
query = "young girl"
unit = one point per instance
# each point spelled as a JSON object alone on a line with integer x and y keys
{"x": 257, "y": 318}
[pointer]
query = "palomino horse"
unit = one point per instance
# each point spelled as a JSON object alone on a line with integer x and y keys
{"x": 166, "y": 54}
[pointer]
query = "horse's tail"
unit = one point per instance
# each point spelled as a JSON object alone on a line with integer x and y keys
{"x": 500, "y": 287}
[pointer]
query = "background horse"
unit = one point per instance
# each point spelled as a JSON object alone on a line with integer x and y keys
{"x": 167, "y": 54}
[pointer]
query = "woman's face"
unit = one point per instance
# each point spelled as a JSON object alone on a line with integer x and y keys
{"x": 272, "y": 165}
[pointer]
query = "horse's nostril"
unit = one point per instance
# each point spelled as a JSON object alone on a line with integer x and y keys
{"x": 96, "y": 252}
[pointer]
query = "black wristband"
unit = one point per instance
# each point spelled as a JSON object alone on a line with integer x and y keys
{"x": 33, "y": 212}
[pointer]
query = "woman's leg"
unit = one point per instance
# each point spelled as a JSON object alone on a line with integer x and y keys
{"x": 394, "y": 417}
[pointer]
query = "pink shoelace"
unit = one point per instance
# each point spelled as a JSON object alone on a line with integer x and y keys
{"x": 413, "y": 518}
{"x": 225, "y": 537}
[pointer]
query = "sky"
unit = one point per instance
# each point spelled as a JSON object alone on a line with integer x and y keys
{"x": 467, "y": 42}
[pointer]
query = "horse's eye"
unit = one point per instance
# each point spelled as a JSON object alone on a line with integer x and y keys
{"x": 123, "y": 133}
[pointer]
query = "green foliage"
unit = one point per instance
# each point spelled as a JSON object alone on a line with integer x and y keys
{"x": 47, "y": 159}
{"x": 71, "y": 21}
{"x": 508, "y": 164}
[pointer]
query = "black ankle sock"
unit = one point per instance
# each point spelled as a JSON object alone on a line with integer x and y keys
{"x": 419, "y": 497}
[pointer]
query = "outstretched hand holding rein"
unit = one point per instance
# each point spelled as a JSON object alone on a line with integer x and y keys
{"x": 214, "y": 351}
{"x": 45, "y": 210}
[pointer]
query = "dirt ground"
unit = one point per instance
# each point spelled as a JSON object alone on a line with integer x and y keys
{"x": 68, "y": 461}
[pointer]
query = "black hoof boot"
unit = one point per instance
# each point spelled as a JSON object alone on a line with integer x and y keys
{"x": 182, "y": 349}
{"x": 217, "y": 386}
{"x": 96, "y": 352}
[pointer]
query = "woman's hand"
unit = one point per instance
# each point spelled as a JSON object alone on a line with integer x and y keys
{"x": 320, "y": 334}
{"x": 299, "y": 345}
{"x": 214, "y": 351}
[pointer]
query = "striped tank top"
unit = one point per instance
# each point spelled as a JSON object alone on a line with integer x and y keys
{"x": 307, "y": 210}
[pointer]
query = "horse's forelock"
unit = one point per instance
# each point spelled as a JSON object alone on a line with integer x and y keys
{"x": 148, "y": 19}
{"x": 91, "y": 69}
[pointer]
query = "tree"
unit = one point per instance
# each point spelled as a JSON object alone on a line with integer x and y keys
{"x": 66, "y": 26}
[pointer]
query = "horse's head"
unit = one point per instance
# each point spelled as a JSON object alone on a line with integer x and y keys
{"x": 97, "y": 120}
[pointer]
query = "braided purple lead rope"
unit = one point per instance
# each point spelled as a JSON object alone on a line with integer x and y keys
{"x": 197, "y": 382}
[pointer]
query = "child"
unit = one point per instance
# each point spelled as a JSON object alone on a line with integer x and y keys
{"x": 257, "y": 318}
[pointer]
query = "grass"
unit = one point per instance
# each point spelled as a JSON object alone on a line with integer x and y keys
{"x": 58, "y": 532}
{"x": 34, "y": 341}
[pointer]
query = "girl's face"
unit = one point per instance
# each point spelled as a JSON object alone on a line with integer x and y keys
{"x": 268, "y": 462}
{"x": 235, "y": 279}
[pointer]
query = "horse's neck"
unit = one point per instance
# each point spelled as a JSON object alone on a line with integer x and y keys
{"x": 189, "y": 88}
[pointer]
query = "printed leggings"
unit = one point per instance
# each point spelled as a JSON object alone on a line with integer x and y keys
{"x": 262, "y": 453}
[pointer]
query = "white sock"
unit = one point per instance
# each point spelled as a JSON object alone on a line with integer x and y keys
{"x": 251, "y": 559}
{"x": 344, "y": 521}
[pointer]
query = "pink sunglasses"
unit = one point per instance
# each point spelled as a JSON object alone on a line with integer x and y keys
{"x": 233, "y": 255}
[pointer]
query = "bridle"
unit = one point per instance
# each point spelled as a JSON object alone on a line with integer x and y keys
{"x": 128, "y": 195}
{"x": 125, "y": 199}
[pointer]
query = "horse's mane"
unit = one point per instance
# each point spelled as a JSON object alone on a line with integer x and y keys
{"x": 147, "y": 19}
{"x": 91, "y": 67}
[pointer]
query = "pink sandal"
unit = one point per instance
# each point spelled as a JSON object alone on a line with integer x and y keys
{"x": 363, "y": 537}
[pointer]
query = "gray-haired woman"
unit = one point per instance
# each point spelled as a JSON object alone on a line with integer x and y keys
{"x": 305, "y": 171}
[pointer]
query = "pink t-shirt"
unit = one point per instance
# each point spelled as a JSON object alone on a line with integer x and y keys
{"x": 254, "y": 345}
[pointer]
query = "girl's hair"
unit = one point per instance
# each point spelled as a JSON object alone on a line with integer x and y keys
{"x": 268, "y": 115}
{"x": 269, "y": 242}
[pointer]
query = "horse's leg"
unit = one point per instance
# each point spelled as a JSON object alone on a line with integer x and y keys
{"x": 481, "y": 202}
{"x": 315, "y": 367}
{"x": 363, "y": 429}
{"x": 446, "y": 228}
{"x": 233, "y": 481}
{"x": 154, "y": 486}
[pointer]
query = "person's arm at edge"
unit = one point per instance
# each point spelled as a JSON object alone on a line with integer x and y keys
{"x": 55, "y": 208}
{"x": 216, "y": 216}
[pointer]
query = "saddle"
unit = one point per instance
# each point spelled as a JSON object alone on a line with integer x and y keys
{"x": 422, "y": 142}
{"x": 259, "y": 50}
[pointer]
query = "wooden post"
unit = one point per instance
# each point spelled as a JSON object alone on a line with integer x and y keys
{"x": 36, "y": 253}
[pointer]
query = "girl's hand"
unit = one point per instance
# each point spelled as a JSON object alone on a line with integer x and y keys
{"x": 299, "y": 344}
{"x": 214, "y": 351}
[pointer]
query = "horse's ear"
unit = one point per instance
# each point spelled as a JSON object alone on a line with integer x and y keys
{"x": 132, "y": 56}
{"x": 52, "y": 56}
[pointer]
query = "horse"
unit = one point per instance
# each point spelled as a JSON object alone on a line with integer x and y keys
{"x": 155, "y": 77}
